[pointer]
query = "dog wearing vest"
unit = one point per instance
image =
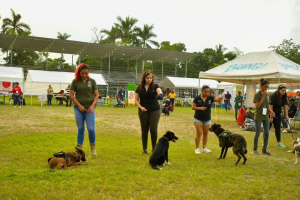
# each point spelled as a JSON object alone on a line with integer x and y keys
{"x": 228, "y": 139}
{"x": 160, "y": 152}
{"x": 63, "y": 160}
{"x": 296, "y": 145}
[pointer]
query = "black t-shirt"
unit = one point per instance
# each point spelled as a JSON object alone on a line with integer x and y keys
{"x": 227, "y": 96}
{"x": 148, "y": 99}
{"x": 294, "y": 109}
{"x": 203, "y": 115}
{"x": 121, "y": 93}
{"x": 168, "y": 103}
{"x": 274, "y": 102}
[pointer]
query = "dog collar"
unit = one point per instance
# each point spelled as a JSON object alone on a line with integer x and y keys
{"x": 166, "y": 138}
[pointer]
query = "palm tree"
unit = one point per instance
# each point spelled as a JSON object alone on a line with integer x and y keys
{"x": 64, "y": 36}
{"x": 14, "y": 26}
{"x": 144, "y": 36}
{"x": 126, "y": 28}
{"x": 112, "y": 35}
{"x": 220, "y": 49}
{"x": 61, "y": 36}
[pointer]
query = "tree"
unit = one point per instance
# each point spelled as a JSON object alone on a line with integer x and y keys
{"x": 127, "y": 29}
{"x": 63, "y": 36}
{"x": 14, "y": 26}
{"x": 112, "y": 35}
{"x": 174, "y": 47}
{"x": 288, "y": 49}
{"x": 143, "y": 38}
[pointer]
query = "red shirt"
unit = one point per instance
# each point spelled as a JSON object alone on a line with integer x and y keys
{"x": 17, "y": 90}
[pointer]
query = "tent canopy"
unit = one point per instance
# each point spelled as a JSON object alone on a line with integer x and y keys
{"x": 254, "y": 66}
{"x": 186, "y": 83}
{"x": 11, "y": 74}
{"x": 38, "y": 81}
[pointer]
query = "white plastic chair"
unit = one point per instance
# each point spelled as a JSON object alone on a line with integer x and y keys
{"x": 296, "y": 118}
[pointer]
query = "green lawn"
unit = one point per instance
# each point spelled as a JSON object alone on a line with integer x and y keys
{"x": 31, "y": 134}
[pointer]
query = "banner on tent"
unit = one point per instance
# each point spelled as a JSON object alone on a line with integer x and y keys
{"x": 5, "y": 86}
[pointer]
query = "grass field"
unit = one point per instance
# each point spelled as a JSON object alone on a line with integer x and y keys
{"x": 31, "y": 134}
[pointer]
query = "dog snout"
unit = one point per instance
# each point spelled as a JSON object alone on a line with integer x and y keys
{"x": 83, "y": 159}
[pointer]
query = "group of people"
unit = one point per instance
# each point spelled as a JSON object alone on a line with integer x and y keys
{"x": 146, "y": 99}
{"x": 59, "y": 96}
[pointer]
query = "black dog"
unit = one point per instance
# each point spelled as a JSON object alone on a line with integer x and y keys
{"x": 227, "y": 139}
{"x": 160, "y": 152}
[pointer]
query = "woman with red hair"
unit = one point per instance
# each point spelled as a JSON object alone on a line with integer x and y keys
{"x": 86, "y": 91}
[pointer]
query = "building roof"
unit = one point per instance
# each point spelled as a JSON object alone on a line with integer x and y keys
{"x": 30, "y": 43}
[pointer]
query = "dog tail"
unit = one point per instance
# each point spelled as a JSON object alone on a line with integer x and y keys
{"x": 49, "y": 159}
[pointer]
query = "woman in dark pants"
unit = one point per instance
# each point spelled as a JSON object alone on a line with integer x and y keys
{"x": 146, "y": 98}
{"x": 279, "y": 100}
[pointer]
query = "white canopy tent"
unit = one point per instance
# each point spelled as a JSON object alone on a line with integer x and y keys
{"x": 254, "y": 66}
{"x": 12, "y": 74}
{"x": 186, "y": 83}
{"x": 38, "y": 82}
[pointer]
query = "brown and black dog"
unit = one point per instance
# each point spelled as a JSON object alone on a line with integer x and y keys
{"x": 236, "y": 141}
{"x": 69, "y": 159}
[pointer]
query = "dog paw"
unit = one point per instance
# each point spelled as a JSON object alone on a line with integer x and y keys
{"x": 169, "y": 163}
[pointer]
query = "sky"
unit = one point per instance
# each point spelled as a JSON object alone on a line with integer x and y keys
{"x": 249, "y": 25}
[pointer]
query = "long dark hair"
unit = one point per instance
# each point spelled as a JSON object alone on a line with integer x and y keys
{"x": 281, "y": 100}
{"x": 142, "y": 82}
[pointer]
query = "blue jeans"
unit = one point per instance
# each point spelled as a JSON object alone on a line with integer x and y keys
{"x": 17, "y": 100}
{"x": 80, "y": 117}
{"x": 266, "y": 133}
{"x": 49, "y": 99}
{"x": 236, "y": 113}
{"x": 227, "y": 105}
{"x": 69, "y": 101}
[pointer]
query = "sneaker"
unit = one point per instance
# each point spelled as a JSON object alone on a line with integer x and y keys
{"x": 19, "y": 106}
{"x": 144, "y": 152}
{"x": 256, "y": 152}
{"x": 15, "y": 106}
{"x": 284, "y": 131}
{"x": 206, "y": 150}
{"x": 281, "y": 145}
{"x": 266, "y": 152}
{"x": 197, "y": 151}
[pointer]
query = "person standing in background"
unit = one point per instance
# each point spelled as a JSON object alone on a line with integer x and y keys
{"x": 238, "y": 104}
{"x": 121, "y": 94}
{"x": 213, "y": 95}
{"x": 49, "y": 95}
{"x": 16, "y": 94}
{"x": 186, "y": 98}
{"x": 67, "y": 95}
{"x": 227, "y": 101}
{"x": 172, "y": 96}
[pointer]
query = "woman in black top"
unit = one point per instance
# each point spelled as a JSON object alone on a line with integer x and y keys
{"x": 278, "y": 100}
{"x": 202, "y": 118}
{"x": 146, "y": 98}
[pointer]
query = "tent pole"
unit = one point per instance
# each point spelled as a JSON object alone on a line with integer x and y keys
{"x": 11, "y": 57}
{"x": 152, "y": 67}
{"x": 47, "y": 62}
{"x": 162, "y": 70}
{"x": 72, "y": 60}
{"x": 175, "y": 70}
{"x": 31, "y": 93}
{"x": 185, "y": 75}
{"x": 109, "y": 65}
{"x": 136, "y": 66}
